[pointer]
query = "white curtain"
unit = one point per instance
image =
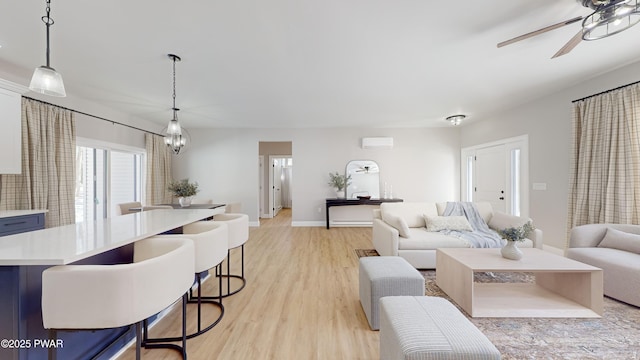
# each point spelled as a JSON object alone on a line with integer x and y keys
{"x": 605, "y": 166}
{"x": 47, "y": 180}
{"x": 158, "y": 171}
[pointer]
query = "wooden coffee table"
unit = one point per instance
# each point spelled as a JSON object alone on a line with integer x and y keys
{"x": 563, "y": 288}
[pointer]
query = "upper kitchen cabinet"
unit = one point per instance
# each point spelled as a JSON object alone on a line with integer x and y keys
{"x": 11, "y": 125}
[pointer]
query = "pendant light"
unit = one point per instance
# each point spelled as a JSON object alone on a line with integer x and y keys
{"x": 174, "y": 139}
{"x": 46, "y": 80}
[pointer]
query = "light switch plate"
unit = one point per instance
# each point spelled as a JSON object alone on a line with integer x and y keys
{"x": 539, "y": 186}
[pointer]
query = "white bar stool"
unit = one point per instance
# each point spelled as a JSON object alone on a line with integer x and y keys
{"x": 211, "y": 247}
{"x": 238, "y": 225}
{"x": 123, "y": 208}
{"x": 110, "y": 296}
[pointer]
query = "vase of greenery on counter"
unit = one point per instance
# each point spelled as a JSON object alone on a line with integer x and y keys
{"x": 184, "y": 190}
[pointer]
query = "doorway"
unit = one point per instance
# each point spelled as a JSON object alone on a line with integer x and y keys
{"x": 497, "y": 173}
{"x": 280, "y": 176}
{"x": 276, "y": 177}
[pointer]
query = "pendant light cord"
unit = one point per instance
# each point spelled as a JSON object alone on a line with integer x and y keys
{"x": 175, "y": 109}
{"x": 48, "y": 21}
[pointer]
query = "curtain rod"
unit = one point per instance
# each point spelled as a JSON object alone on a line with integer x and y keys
{"x": 93, "y": 116}
{"x": 604, "y": 92}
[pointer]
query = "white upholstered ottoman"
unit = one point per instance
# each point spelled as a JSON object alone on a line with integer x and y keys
{"x": 386, "y": 276}
{"x": 425, "y": 327}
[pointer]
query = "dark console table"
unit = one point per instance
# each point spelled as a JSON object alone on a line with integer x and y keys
{"x": 350, "y": 202}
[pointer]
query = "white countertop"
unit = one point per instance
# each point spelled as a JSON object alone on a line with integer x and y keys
{"x": 12, "y": 213}
{"x": 66, "y": 244}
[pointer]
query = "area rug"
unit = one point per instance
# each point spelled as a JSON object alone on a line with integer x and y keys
{"x": 614, "y": 336}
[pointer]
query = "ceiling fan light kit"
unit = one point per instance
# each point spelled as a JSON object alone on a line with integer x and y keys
{"x": 609, "y": 17}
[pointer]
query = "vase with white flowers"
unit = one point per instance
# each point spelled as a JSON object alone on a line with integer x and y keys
{"x": 184, "y": 190}
{"x": 513, "y": 235}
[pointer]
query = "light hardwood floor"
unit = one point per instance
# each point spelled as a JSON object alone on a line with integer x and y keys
{"x": 300, "y": 302}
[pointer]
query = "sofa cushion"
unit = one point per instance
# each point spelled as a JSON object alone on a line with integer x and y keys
{"x": 500, "y": 221}
{"x": 421, "y": 239}
{"x": 412, "y": 213}
{"x": 398, "y": 223}
{"x": 439, "y": 223}
{"x": 616, "y": 239}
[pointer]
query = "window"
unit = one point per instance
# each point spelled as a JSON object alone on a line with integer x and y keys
{"x": 105, "y": 178}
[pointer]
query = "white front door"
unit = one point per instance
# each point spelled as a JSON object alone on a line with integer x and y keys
{"x": 491, "y": 177}
{"x": 497, "y": 170}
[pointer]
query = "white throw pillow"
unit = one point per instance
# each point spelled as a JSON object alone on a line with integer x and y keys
{"x": 398, "y": 223}
{"x": 439, "y": 223}
{"x": 500, "y": 221}
{"x": 616, "y": 239}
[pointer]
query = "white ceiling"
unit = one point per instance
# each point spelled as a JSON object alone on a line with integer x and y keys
{"x": 307, "y": 63}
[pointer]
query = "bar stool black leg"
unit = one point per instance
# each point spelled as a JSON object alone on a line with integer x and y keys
{"x": 228, "y": 275}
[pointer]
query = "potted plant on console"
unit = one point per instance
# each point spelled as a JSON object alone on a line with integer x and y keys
{"x": 184, "y": 190}
{"x": 340, "y": 183}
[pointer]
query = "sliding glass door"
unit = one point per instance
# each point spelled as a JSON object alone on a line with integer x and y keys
{"x": 104, "y": 179}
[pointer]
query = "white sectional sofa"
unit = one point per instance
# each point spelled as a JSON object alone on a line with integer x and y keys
{"x": 615, "y": 248}
{"x": 399, "y": 229}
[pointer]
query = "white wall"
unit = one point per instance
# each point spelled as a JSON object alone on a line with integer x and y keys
{"x": 548, "y": 121}
{"x": 422, "y": 166}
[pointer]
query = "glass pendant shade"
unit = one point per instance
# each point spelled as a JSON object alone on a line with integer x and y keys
{"x": 174, "y": 127}
{"x": 46, "y": 80}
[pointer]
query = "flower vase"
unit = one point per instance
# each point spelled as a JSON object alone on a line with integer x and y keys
{"x": 511, "y": 251}
{"x": 340, "y": 194}
{"x": 185, "y": 201}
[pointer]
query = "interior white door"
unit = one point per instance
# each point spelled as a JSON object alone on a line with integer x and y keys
{"x": 261, "y": 185}
{"x": 277, "y": 186}
{"x": 491, "y": 177}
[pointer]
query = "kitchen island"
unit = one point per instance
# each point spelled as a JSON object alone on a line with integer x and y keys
{"x": 24, "y": 256}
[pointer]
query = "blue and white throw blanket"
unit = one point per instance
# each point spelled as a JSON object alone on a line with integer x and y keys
{"x": 481, "y": 236}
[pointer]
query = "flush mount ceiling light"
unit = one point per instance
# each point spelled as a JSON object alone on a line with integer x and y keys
{"x": 610, "y": 17}
{"x": 455, "y": 120}
{"x": 174, "y": 138}
{"x": 46, "y": 80}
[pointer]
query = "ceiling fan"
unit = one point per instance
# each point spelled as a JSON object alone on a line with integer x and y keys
{"x": 609, "y": 17}
{"x": 366, "y": 169}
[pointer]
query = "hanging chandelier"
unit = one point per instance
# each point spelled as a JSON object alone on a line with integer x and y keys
{"x": 46, "y": 80}
{"x": 174, "y": 138}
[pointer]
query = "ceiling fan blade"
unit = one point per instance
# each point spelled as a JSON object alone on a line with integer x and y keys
{"x": 575, "y": 40}
{"x": 540, "y": 31}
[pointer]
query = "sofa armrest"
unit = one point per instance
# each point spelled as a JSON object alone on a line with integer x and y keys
{"x": 385, "y": 238}
{"x": 536, "y": 237}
